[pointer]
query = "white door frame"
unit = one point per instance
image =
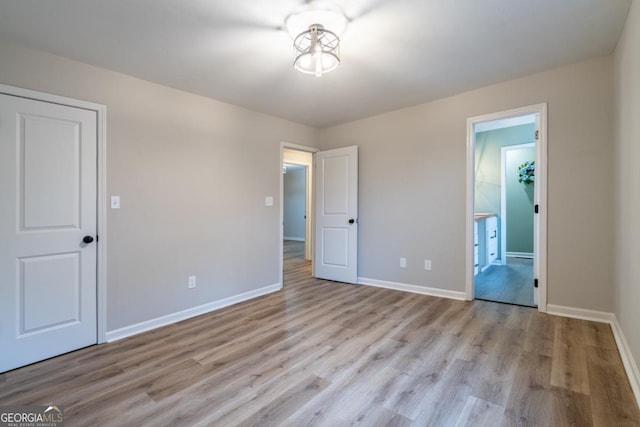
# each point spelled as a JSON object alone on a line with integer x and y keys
{"x": 503, "y": 195}
{"x": 540, "y": 197}
{"x": 310, "y": 223}
{"x": 101, "y": 116}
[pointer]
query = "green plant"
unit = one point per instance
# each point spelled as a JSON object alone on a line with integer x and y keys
{"x": 526, "y": 172}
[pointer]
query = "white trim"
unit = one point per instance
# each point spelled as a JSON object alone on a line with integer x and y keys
{"x": 630, "y": 366}
{"x": 169, "y": 319}
{"x": 506, "y": 123}
{"x": 102, "y": 225}
{"x": 414, "y": 289}
{"x": 580, "y": 313}
{"x": 470, "y": 213}
{"x": 295, "y": 239}
{"x": 503, "y": 194}
{"x": 310, "y": 218}
{"x": 47, "y": 97}
{"x": 540, "y": 242}
{"x": 520, "y": 255}
{"x": 101, "y": 262}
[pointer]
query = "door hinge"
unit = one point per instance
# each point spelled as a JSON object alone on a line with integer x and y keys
{"x": 535, "y": 283}
{"x": 537, "y": 134}
{"x": 535, "y": 209}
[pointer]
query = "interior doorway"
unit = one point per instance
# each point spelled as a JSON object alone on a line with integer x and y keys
{"x": 331, "y": 238}
{"x": 506, "y": 230}
{"x": 52, "y": 287}
{"x": 294, "y": 199}
{"x": 503, "y": 243}
{"x": 296, "y": 207}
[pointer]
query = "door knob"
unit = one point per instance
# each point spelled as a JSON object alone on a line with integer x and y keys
{"x": 87, "y": 239}
{"x": 351, "y": 221}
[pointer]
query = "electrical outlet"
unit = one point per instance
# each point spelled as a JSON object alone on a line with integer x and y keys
{"x": 403, "y": 263}
{"x": 427, "y": 264}
{"x": 191, "y": 283}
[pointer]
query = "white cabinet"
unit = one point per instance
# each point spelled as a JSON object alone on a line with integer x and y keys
{"x": 491, "y": 228}
{"x": 485, "y": 241}
{"x": 476, "y": 260}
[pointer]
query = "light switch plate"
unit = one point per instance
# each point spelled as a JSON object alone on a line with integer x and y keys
{"x": 268, "y": 201}
{"x": 115, "y": 202}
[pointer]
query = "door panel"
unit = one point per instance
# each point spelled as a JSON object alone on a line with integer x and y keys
{"x": 335, "y": 247}
{"x": 43, "y": 306}
{"x": 336, "y": 253}
{"x": 49, "y": 148}
{"x": 48, "y": 192}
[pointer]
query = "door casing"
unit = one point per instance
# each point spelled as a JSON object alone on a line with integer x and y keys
{"x": 540, "y": 196}
{"x": 101, "y": 114}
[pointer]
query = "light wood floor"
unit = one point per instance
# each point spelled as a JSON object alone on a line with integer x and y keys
{"x": 330, "y": 354}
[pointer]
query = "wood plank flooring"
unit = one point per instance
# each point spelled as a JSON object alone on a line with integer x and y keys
{"x": 328, "y": 354}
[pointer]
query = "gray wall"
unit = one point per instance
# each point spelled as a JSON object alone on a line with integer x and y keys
{"x": 412, "y": 183}
{"x": 627, "y": 177}
{"x": 488, "y": 163}
{"x": 165, "y": 146}
{"x": 295, "y": 202}
{"x": 519, "y": 202}
{"x": 192, "y": 174}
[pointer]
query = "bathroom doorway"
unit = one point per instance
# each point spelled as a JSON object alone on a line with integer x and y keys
{"x": 507, "y": 170}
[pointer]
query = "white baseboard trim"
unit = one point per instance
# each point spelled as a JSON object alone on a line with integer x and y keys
{"x": 158, "y": 322}
{"x": 630, "y": 366}
{"x": 423, "y": 290}
{"x": 627, "y": 359}
{"x": 295, "y": 239}
{"x": 520, "y": 254}
{"x": 580, "y": 313}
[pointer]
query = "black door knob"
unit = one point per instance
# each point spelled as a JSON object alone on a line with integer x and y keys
{"x": 351, "y": 221}
{"x": 87, "y": 239}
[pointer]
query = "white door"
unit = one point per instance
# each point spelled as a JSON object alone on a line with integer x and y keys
{"x": 47, "y": 207}
{"x": 336, "y": 244}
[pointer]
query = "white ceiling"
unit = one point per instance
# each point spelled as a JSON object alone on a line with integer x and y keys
{"x": 505, "y": 123}
{"x": 395, "y": 53}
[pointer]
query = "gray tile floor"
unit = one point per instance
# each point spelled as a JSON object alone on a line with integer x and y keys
{"x": 511, "y": 283}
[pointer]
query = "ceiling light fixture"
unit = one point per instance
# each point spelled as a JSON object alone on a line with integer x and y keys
{"x": 316, "y": 30}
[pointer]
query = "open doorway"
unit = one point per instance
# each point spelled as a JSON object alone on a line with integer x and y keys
{"x": 503, "y": 221}
{"x": 505, "y": 191}
{"x": 294, "y": 216}
{"x": 331, "y": 238}
{"x": 296, "y": 209}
